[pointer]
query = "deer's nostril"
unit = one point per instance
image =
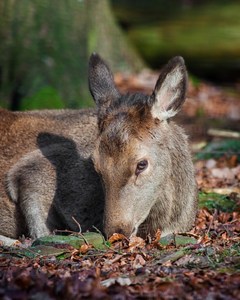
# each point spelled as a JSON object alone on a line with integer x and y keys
{"x": 120, "y": 230}
{"x": 125, "y": 229}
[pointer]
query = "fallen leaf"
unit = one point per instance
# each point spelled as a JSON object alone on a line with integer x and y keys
{"x": 136, "y": 242}
{"x": 41, "y": 250}
{"x": 224, "y": 173}
{"x": 210, "y": 163}
{"x": 123, "y": 281}
{"x": 139, "y": 261}
{"x": 84, "y": 248}
{"x": 116, "y": 237}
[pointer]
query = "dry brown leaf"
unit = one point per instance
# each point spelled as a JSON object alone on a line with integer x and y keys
{"x": 84, "y": 248}
{"x": 139, "y": 261}
{"x": 136, "y": 242}
{"x": 114, "y": 260}
{"x": 205, "y": 239}
{"x": 223, "y": 173}
{"x": 156, "y": 240}
{"x": 224, "y": 236}
{"x": 117, "y": 237}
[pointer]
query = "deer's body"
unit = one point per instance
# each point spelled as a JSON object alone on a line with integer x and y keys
{"x": 52, "y": 163}
{"x": 41, "y": 153}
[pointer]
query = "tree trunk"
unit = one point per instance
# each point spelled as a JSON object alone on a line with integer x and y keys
{"x": 45, "y": 47}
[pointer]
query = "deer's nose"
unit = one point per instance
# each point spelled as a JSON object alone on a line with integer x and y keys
{"x": 125, "y": 229}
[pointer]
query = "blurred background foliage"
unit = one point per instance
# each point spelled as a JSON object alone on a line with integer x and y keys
{"x": 206, "y": 33}
{"x": 45, "y": 45}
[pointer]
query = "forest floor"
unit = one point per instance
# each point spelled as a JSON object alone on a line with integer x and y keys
{"x": 201, "y": 264}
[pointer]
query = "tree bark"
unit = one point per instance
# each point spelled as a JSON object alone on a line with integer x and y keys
{"x": 45, "y": 47}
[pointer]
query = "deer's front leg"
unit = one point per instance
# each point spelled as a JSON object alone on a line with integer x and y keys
{"x": 32, "y": 183}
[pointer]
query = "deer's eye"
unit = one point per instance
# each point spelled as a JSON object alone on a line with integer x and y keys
{"x": 141, "y": 166}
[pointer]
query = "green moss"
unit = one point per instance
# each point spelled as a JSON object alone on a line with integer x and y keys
{"x": 177, "y": 240}
{"x": 217, "y": 149}
{"x": 227, "y": 260}
{"x": 216, "y": 201}
{"x": 75, "y": 241}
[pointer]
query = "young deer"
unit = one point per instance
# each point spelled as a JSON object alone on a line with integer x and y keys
{"x": 124, "y": 167}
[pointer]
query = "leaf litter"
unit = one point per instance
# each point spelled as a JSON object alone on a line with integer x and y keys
{"x": 201, "y": 264}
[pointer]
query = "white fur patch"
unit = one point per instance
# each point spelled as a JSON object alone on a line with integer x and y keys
{"x": 174, "y": 77}
{"x": 7, "y": 241}
{"x": 167, "y": 94}
{"x": 166, "y": 114}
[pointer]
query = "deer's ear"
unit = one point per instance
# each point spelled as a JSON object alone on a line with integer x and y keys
{"x": 170, "y": 90}
{"x": 101, "y": 82}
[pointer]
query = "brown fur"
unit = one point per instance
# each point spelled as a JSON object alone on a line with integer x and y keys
{"x": 41, "y": 153}
{"x": 48, "y": 162}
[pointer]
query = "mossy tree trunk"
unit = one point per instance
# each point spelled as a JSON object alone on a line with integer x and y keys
{"x": 45, "y": 46}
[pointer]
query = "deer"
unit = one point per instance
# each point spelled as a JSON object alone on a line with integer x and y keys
{"x": 123, "y": 166}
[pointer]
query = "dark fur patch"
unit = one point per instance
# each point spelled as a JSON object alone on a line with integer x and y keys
{"x": 136, "y": 105}
{"x": 128, "y": 117}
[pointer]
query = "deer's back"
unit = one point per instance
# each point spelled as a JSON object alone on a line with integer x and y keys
{"x": 19, "y": 130}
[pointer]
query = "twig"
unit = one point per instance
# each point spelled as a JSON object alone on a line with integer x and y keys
{"x": 80, "y": 231}
{"x": 222, "y": 191}
{"x": 79, "y": 226}
{"x": 104, "y": 241}
{"x": 75, "y": 233}
{"x": 210, "y": 225}
{"x": 174, "y": 239}
{"x": 98, "y": 231}
{"x": 224, "y": 133}
{"x": 189, "y": 234}
{"x": 65, "y": 230}
{"x": 227, "y": 230}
